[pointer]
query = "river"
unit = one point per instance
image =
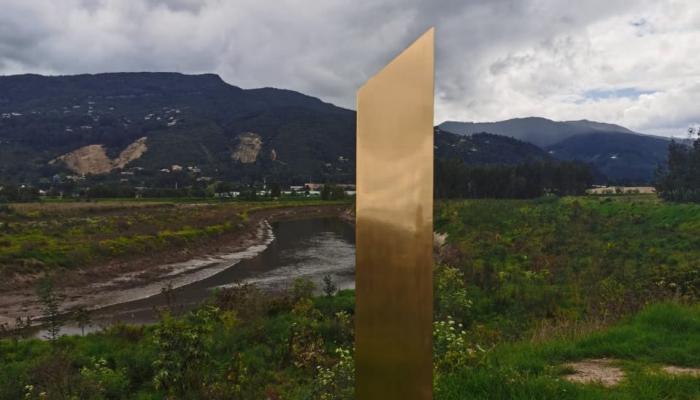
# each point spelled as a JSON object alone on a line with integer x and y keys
{"x": 308, "y": 248}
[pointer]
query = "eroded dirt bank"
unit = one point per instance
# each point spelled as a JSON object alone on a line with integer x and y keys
{"x": 119, "y": 282}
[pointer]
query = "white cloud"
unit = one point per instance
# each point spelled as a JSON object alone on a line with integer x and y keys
{"x": 497, "y": 59}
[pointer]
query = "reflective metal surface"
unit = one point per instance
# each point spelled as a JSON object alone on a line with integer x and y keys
{"x": 394, "y": 232}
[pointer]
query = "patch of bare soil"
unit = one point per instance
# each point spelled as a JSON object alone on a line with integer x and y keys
{"x": 598, "y": 371}
{"x": 681, "y": 371}
{"x": 249, "y": 146}
{"x": 93, "y": 159}
{"x": 90, "y": 159}
{"x": 133, "y": 152}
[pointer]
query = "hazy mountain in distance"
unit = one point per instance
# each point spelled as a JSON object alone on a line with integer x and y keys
{"x": 540, "y": 131}
{"x": 621, "y": 154}
{"x": 585, "y": 124}
{"x": 621, "y": 157}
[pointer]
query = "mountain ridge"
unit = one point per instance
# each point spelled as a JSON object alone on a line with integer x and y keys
{"x": 226, "y": 132}
{"x": 623, "y": 155}
{"x": 196, "y": 120}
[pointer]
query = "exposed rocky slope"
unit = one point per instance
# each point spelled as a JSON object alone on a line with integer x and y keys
{"x": 93, "y": 159}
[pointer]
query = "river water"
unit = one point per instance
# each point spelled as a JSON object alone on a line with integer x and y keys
{"x": 308, "y": 248}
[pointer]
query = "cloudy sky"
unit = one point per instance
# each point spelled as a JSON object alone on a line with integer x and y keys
{"x": 632, "y": 62}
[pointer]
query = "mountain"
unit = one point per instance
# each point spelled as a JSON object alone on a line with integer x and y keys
{"x": 540, "y": 131}
{"x": 145, "y": 127}
{"x": 137, "y": 124}
{"x": 172, "y": 129}
{"x": 621, "y": 157}
{"x": 485, "y": 149}
{"x": 593, "y": 126}
{"x": 621, "y": 154}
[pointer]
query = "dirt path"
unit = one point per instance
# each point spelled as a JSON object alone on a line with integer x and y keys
{"x": 607, "y": 372}
{"x": 120, "y": 282}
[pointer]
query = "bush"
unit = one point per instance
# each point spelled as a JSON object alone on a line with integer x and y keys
{"x": 184, "y": 352}
{"x": 302, "y": 288}
{"x": 451, "y": 298}
{"x": 99, "y": 381}
{"x": 338, "y": 381}
{"x": 5, "y": 209}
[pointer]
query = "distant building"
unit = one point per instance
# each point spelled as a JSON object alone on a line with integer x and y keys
{"x": 313, "y": 186}
{"x": 621, "y": 190}
{"x": 318, "y": 186}
{"x": 227, "y": 195}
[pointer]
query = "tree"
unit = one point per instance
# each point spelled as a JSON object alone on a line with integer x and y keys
{"x": 50, "y": 307}
{"x": 302, "y": 288}
{"x": 329, "y": 286}
{"x": 332, "y": 192}
{"x": 275, "y": 190}
{"x": 680, "y": 180}
{"x": 455, "y": 179}
{"x": 326, "y": 192}
{"x": 82, "y": 317}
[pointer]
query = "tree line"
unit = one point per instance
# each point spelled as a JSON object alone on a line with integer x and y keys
{"x": 455, "y": 179}
{"x": 680, "y": 179}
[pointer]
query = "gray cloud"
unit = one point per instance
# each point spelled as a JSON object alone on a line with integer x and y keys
{"x": 496, "y": 59}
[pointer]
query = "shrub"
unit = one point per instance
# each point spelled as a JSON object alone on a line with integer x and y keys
{"x": 184, "y": 352}
{"x": 451, "y": 296}
{"x": 302, "y": 288}
{"x": 99, "y": 381}
{"x": 306, "y": 345}
{"x": 336, "y": 382}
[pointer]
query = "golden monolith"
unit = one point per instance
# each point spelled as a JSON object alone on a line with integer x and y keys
{"x": 393, "y": 324}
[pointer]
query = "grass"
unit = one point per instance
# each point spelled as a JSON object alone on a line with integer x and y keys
{"x": 662, "y": 334}
{"x": 583, "y": 259}
{"x": 548, "y": 278}
{"x": 254, "y": 347}
{"x": 535, "y": 283}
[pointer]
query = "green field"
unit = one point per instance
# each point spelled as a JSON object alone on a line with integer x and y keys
{"x": 587, "y": 259}
{"x": 523, "y": 289}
